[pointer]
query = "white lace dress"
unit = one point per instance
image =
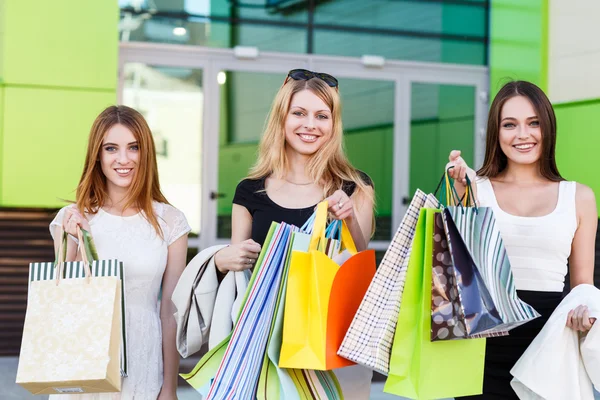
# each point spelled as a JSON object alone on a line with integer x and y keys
{"x": 134, "y": 241}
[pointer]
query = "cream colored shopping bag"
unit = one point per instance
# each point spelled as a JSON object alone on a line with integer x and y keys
{"x": 71, "y": 337}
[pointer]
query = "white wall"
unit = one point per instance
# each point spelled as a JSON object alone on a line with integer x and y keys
{"x": 574, "y": 50}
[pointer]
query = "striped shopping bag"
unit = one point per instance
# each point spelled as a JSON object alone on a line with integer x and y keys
{"x": 369, "y": 339}
{"x": 42, "y": 271}
{"x": 480, "y": 234}
{"x": 267, "y": 383}
{"x": 240, "y": 369}
{"x": 293, "y": 384}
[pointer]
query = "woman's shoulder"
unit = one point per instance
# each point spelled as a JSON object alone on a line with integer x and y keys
{"x": 247, "y": 189}
{"x": 350, "y": 186}
{"x": 365, "y": 178}
{"x": 166, "y": 210}
{"x": 172, "y": 221}
{"x": 584, "y": 196}
{"x": 251, "y": 185}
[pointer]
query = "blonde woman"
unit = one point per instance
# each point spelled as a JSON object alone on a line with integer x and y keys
{"x": 300, "y": 163}
{"x": 120, "y": 202}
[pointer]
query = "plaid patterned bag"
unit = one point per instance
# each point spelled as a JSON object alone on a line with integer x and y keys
{"x": 369, "y": 339}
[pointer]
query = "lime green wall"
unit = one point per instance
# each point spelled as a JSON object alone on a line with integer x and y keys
{"x": 1, "y": 131}
{"x": 45, "y": 143}
{"x": 59, "y": 70}
{"x": 518, "y": 43}
{"x": 578, "y": 142}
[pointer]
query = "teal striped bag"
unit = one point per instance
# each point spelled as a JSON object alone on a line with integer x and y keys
{"x": 479, "y": 231}
{"x": 42, "y": 271}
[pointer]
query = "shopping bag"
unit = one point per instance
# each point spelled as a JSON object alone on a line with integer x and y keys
{"x": 293, "y": 384}
{"x": 481, "y": 236}
{"x": 419, "y": 368}
{"x": 461, "y": 305}
{"x": 108, "y": 267}
{"x": 219, "y": 373}
{"x": 72, "y": 332}
{"x": 369, "y": 338}
{"x": 321, "y": 300}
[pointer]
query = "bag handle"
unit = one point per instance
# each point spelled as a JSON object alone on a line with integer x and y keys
{"x": 62, "y": 254}
{"x": 318, "y": 233}
{"x": 448, "y": 190}
{"x": 347, "y": 241}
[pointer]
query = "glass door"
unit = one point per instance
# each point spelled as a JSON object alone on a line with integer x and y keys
{"x": 207, "y": 108}
{"x": 171, "y": 99}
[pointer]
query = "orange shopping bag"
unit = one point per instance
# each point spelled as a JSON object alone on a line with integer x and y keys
{"x": 321, "y": 300}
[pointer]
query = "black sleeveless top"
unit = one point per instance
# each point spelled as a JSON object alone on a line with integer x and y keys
{"x": 250, "y": 193}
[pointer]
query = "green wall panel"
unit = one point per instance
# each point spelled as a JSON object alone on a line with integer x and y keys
{"x": 518, "y": 43}
{"x": 234, "y": 163}
{"x": 424, "y": 152}
{"x": 371, "y": 151}
{"x": 44, "y": 143}
{"x": 578, "y": 143}
{"x": 65, "y": 43}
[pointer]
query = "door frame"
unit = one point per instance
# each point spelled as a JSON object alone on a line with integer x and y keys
{"x": 402, "y": 73}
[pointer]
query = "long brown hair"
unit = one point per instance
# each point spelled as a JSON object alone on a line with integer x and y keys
{"x": 329, "y": 165}
{"x": 145, "y": 188}
{"x": 495, "y": 160}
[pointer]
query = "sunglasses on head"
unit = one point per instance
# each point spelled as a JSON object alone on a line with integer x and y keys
{"x": 305, "y": 75}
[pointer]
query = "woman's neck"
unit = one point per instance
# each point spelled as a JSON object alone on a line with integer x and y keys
{"x": 521, "y": 173}
{"x": 117, "y": 197}
{"x": 296, "y": 172}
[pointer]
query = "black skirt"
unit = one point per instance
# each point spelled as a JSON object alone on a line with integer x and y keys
{"x": 502, "y": 353}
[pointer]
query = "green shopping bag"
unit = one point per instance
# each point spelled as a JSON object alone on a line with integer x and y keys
{"x": 419, "y": 368}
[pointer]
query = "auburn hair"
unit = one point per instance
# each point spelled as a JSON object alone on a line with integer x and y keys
{"x": 92, "y": 193}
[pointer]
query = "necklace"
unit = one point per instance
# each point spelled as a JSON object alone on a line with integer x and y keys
{"x": 298, "y": 184}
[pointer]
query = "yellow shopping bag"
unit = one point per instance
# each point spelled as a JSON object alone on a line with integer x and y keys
{"x": 321, "y": 300}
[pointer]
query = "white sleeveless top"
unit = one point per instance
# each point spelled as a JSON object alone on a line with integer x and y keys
{"x": 538, "y": 247}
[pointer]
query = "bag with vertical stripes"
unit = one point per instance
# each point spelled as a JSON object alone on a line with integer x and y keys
{"x": 46, "y": 271}
{"x": 72, "y": 330}
{"x": 481, "y": 237}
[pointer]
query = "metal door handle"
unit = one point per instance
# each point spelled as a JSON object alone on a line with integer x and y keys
{"x": 217, "y": 195}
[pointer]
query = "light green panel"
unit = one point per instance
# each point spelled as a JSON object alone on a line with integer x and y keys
{"x": 1, "y": 131}
{"x": 44, "y": 143}
{"x": 2, "y": 29}
{"x": 518, "y": 43}
{"x": 578, "y": 142}
{"x": 371, "y": 151}
{"x": 234, "y": 163}
{"x": 64, "y": 43}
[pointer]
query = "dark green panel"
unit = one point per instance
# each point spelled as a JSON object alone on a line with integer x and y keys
{"x": 234, "y": 163}
{"x": 424, "y": 145}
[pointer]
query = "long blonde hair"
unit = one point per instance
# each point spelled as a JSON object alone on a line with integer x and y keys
{"x": 329, "y": 165}
{"x": 145, "y": 188}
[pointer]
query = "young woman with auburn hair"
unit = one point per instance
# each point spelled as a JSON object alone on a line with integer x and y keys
{"x": 301, "y": 162}
{"x": 120, "y": 203}
{"x": 545, "y": 221}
